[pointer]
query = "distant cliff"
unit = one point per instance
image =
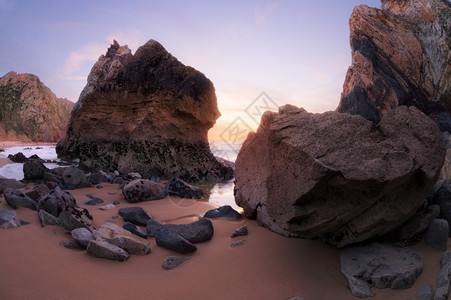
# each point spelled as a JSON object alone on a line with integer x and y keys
{"x": 30, "y": 111}
{"x": 400, "y": 56}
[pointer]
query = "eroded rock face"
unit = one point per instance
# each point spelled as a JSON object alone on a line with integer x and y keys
{"x": 144, "y": 113}
{"x": 337, "y": 176}
{"x": 400, "y": 56}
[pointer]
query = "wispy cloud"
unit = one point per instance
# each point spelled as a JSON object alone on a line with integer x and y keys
{"x": 86, "y": 53}
{"x": 261, "y": 12}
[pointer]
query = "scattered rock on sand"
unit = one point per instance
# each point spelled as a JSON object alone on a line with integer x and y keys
{"x": 344, "y": 179}
{"x": 122, "y": 238}
{"x": 74, "y": 178}
{"x": 16, "y": 198}
{"x": 172, "y": 262}
{"x": 134, "y": 229}
{"x": 180, "y": 238}
{"x": 10, "y": 183}
{"x": 72, "y": 244}
{"x": 437, "y": 234}
{"x": 441, "y": 195}
{"x": 379, "y": 265}
{"x": 34, "y": 169}
{"x": 444, "y": 278}
{"x": 82, "y": 235}
{"x": 75, "y": 217}
{"x": 93, "y": 201}
{"x": 55, "y": 201}
{"x": 237, "y": 243}
{"x": 47, "y": 219}
{"x": 424, "y": 292}
{"x": 224, "y": 211}
{"x": 18, "y": 157}
{"x": 143, "y": 190}
{"x": 240, "y": 231}
{"x": 103, "y": 249}
{"x": 37, "y": 192}
{"x": 9, "y": 219}
{"x": 179, "y": 188}
{"x": 135, "y": 214}
{"x": 107, "y": 206}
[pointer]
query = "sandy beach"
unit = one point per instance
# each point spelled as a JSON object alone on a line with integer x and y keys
{"x": 36, "y": 266}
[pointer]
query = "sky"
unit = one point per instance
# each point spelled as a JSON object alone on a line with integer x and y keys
{"x": 258, "y": 54}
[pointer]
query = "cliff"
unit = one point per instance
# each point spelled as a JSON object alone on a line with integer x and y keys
{"x": 30, "y": 111}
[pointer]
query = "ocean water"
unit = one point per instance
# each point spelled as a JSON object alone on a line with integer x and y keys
{"x": 218, "y": 193}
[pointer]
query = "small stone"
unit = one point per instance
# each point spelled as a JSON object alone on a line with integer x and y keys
{"x": 9, "y": 219}
{"x": 122, "y": 238}
{"x": 93, "y": 201}
{"x": 437, "y": 234}
{"x": 424, "y": 293}
{"x": 107, "y": 206}
{"x": 143, "y": 190}
{"x": 135, "y": 214}
{"x": 180, "y": 188}
{"x": 134, "y": 175}
{"x": 47, "y": 219}
{"x": 223, "y": 211}
{"x": 114, "y": 202}
{"x": 240, "y": 231}
{"x": 99, "y": 187}
{"x": 237, "y": 243}
{"x": 172, "y": 262}
{"x": 72, "y": 244}
{"x": 82, "y": 235}
{"x": 134, "y": 229}
{"x": 103, "y": 249}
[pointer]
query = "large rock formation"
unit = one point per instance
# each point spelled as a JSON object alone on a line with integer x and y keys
{"x": 29, "y": 111}
{"x": 400, "y": 56}
{"x": 337, "y": 176}
{"x": 144, "y": 112}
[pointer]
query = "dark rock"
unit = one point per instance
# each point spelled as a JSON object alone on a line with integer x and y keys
{"x": 237, "y": 243}
{"x": 181, "y": 189}
{"x": 75, "y": 217}
{"x": 115, "y": 202}
{"x": 441, "y": 195}
{"x": 240, "y": 231}
{"x": 181, "y": 238}
{"x": 103, "y": 249}
{"x": 97, "y": 177}
{"x": 16, "y": 199}
{"x": 10, "y": 183}
{"x": 37, "y": 192}
{"x": 82, "y": 235}
{"x": 18, "y": 157}
{"x": 379, "y": 265}
{"x": 437, "y": 234}
{"x": 122, "y": 238}
{"x": 172, "y": 262}
{"x": 72, "y": 244}
{"x": 143, "y": 190}
{"x": 444, "y": 277}
{"x": 74, "y": 178}
{"x": 47, "y": 219}
{"x": 34, "y": 169}
{"x": 134, "y": 229}
{"x": 93, "y": 201}
{"x": 55, "y": 201}
{"x": 146, "y": 175}
{"x": 424, "y": 293}
{"x": 418, "y": 223}
{"x": 167, "y": 138}
{"x": 135, "y": 215}
{"x": 345, "y": 179}
{"x": 443, "y": 121}
{"x": 9, "y": 219}
{"x": 119, "y": 180}
{"x": 223, "y": 211}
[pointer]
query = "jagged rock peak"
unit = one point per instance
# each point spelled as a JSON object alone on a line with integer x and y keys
{"x": 416, "y": 10}
{"x": 144, "y": 112}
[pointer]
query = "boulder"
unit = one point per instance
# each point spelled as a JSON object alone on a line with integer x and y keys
{"x": 380, "y": 79}
{"x": 18, "y": 157}
{"x": 16, "y": 198}
{"x": 441, "y": 195}
{"x": 136, "y": 215}
{"x": 74, "y": 178}
{"x": 179, "y": 188}
{"x": 444, "y": 278}
{"x": 134, "y": 229}
{"x": 56, "y": 201}
{"x": 97, "y": 177}
{"x": 140, "y": 190}
{"x": 180, "y": 238}
{"x": 46, "y": 218}
{"x": 9, "y": 219}
{"x": 37, "y": 192}
{"x": 337, "y": 177}
{"x": 55, "y": 176}
{"x": 75, "y": 217}
{"x": 10, "y": 183}
{"x": 173, "y": 107}
{"x": 379, "y": 265}
{"x": 225, "y": 211}
{"x": 437, "y": 234}
{"x": 103, "y": 249}
{"x": 82, "y": 235}
{"x": 34, "y": 169}
{"x": 122, "y": 238}
{"x": 172, "y": 262}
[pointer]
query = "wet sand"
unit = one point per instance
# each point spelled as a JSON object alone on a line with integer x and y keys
{"x": 35, "y": 265}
